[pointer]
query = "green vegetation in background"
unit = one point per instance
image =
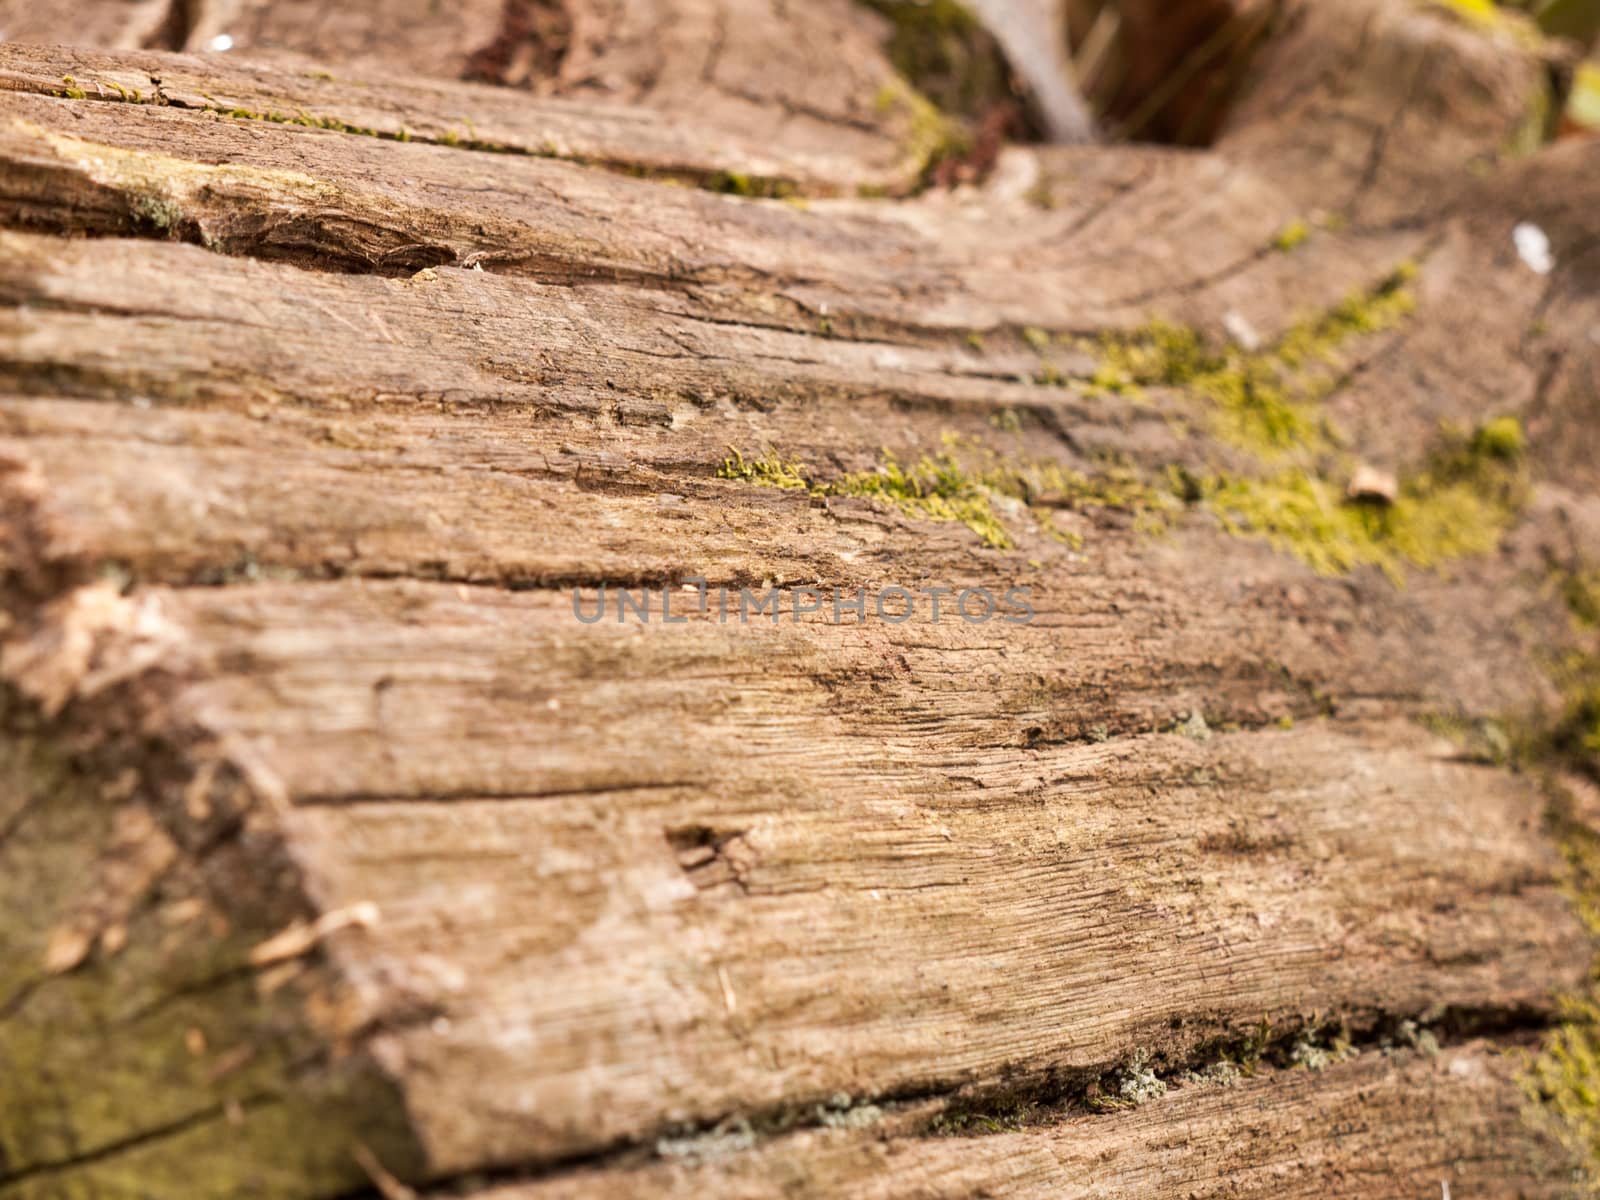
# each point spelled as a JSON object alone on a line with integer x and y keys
{"x": 951, "y": 76}
{"x": 931, "y": 135}
{"x": 946, "y": 54}
{"x": 1578, "y": 20}
{"x": 1575, "y": 96}
{"x": 1584, "y": 106}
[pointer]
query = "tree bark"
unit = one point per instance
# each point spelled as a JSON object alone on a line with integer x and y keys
{"x": 337, "y": 853}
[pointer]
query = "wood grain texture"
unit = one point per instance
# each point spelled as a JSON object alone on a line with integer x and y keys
{"x": 308, "y": 435}
{"x": 1413, "y": 1124}
{"x": 691, "y": 146}
{"x": 812, "y": 79}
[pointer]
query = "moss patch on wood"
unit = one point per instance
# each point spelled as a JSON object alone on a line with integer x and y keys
{"x": 946, "y": 54}
{"x": 962, "y": 482}
{"x": 1457, "y": 506}
{"x": 1268, "y": 402}
{"x": 1262, "y": 401}
{"x": 1562, "y": 1081}
{"x": 930, "y": 136}
{"x": 143, "y": 1051}
{"x": 1291, "y": 237}
{"x": 933, "y": 488}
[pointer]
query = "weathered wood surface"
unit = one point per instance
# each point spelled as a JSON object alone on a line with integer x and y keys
{"x": 696, "y": 147}
{"x": 807, "y": 78}
{"x": 307, "y": 435}
{"x": 1392, "y": 1123}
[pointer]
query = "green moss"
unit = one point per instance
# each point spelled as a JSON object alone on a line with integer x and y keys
{"x": 1581, "y": 590}
{"x": 740, "y": 183}
{"x": 1491, "y": 18}
{"x": 125, "y": 94}
{"x": 305, "y": 120}
{"x": 1483, "y": 740}
{"x": 1576, "y": 736}
{"x": 122, "y": 1069}
{"x": 1250, "y": 403}
{"x": 1263, "y": 401}
{"x": 1268, "y": 402}
{"x": 1570, "y": 738}
{"x": 952, "y": 486}
{"x": 1003, "y": 1110}
{"x": 769, "y": 470}
{"x": 1460, "y": 505}
{"x": 1483, "y": 14}
{"x": 934, "y": 488}
{"x": 1045, "y": 519}
{"x": 1042, "y": 195}
{"x": 1563, "y": 1084}
{"x": 930, "y": 135}
{"x": 1382, "y": 308}
{"x": 158, "y": 212}
{"x": 943, "y": 51}
{"x": 1050, "y": 485}
{"x": 1007, "y": 420}
{"x": 1291, "y": 236}
{"x": 1500, "y": 438}
{"x": 1562, "y": 1081}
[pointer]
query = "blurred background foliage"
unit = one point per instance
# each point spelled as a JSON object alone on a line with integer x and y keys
{"x": 1167, "y": 70}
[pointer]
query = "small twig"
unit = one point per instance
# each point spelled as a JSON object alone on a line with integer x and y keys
{"x": 388, "y": 1186}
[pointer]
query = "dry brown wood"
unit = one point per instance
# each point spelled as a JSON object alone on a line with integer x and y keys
{"x": 333, "y": 837}
{"x": 695, "y": 147}
{"x": 1398, "y": 1122}
{"x": 112, "y": 24}
{"x": 812, "y": 78}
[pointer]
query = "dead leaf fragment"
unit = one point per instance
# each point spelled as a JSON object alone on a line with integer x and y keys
{"x": 66, "y": 949}
{"x": 300, "y": 937}
{"x": 1373, "y": 486}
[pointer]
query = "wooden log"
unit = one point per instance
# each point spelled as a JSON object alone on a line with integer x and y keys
{"x": 338, "y": 850}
